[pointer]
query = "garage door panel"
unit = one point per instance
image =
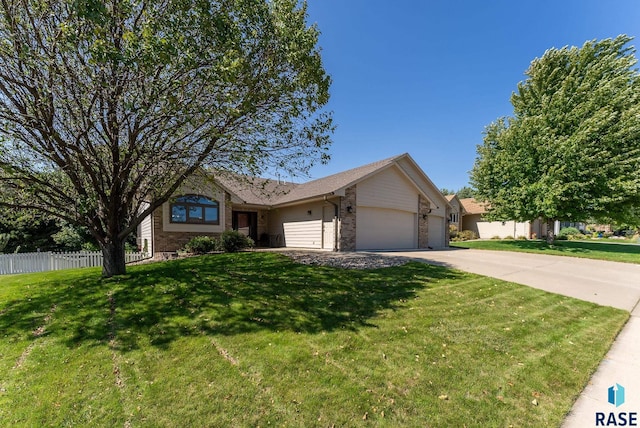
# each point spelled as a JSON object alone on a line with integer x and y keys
{"x": 303, "y": 234}
{"x": 436, "y": 231}
{"x": 380, "y": 228}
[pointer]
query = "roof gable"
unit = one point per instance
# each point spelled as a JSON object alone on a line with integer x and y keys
{"x": 454, "y": 201}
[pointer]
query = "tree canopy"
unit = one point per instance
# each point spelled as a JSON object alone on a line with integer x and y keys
{"x": 106, "y": 106}
{"x": 571, "y": 151}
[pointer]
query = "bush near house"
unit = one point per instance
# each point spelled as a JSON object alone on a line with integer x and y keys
{"x": 453, "y": 231}
{"x": 201, "y": 245}
{"x": 230, "y": 241}
{"x": 465, "y": 235}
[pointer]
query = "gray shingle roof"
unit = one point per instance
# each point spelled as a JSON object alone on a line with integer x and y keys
{"x": 263, "y": 191}
{"x": 254, "y": 190}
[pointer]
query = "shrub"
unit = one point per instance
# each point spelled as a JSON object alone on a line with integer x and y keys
{"x": 569, "y": 233}
{"x": 90, "y": 246}
{"x": 496, "y": 237}
{"x": 201, "y": 245}
{"x": 521, "y": 238}
{"x": 453, "y": 231}
{"x": 508, "y": 238}
{"x": 232, "y": 241}
{"x": 465, "y": 235}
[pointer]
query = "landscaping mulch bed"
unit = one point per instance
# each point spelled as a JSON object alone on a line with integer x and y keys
{"x": 344, "y": 260}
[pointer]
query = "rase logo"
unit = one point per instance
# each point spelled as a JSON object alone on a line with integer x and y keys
{"x": 615, "y": 396}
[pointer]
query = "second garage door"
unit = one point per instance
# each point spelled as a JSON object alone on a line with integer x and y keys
{"x": 385, "y": 229}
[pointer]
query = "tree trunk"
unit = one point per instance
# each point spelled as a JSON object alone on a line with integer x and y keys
{"x": 551, "y": 238}
{"x": 113, "y": 259}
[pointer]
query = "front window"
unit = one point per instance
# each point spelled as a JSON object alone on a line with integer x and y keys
{"x": 195, "y": 209}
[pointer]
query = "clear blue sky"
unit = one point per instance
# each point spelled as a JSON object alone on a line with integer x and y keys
{"x": 426, "y": 77}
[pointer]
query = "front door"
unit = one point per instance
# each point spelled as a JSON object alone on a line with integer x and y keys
{"x": 246, "y": 222}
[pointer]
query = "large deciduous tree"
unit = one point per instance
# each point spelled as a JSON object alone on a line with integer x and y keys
{"x": 571, "y": 151}
{"x": 106, "y": 104}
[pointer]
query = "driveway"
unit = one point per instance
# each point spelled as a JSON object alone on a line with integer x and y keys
{"x": 606, "y": 283}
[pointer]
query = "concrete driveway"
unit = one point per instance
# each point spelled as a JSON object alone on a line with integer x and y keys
{"x": 606, "y": 283}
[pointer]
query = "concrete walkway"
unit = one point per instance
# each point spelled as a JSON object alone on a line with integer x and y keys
{"x": 606, "y": 283}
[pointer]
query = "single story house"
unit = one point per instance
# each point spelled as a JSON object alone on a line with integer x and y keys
{"x": 389, "y": 204}
{"x": 473, "y": 220}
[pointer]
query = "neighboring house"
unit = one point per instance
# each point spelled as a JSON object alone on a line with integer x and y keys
{"x": 389, "y": 204}
{"x": 559, "y": 225}
{"x": 457, "y": 211}
{"x": 473, "y": 220}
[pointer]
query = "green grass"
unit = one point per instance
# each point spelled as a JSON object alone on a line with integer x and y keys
{"x": 616, "y": 252}
{"x": 254, "y": 339}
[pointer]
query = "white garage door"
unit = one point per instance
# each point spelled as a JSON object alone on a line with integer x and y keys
{"x": 436, "y": 231}
{"x": 382, "y": 229}
{"x": 303, "y": 234}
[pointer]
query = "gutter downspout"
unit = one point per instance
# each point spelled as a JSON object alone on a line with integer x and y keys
{"x": 336, "y": 215}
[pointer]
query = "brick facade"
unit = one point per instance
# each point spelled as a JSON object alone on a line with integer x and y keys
{"x": 171, "y": 241}
{"x": 228, "y": 211}
{"x": 423, "y": 222}
{"x": 347, "y": 239}
{"x": 447, "y": 232}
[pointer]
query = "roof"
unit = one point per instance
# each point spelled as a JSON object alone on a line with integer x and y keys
{"x": 471, "y": 206}
{"x": 264, "y": 191}
{"x": 335, "y": 182}
{"x": 254, "y": 190}
{"x": 450, "y": 199}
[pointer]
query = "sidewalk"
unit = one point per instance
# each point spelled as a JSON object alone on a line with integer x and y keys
{"x": 620, "y": 366}
{"x": 606, "y": 283}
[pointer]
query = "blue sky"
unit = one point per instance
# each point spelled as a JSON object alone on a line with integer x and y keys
{"x": 426, "y": 77}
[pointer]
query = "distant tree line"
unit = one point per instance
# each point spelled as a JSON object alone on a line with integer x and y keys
{"x": 464, "y": 192}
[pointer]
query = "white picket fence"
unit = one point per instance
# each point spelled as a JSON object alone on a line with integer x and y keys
{"x": 46, "y": 261}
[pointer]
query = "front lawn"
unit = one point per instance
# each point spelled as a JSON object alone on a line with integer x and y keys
{"x": 253, "y": 339}
{"x": 615, "y": 252}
